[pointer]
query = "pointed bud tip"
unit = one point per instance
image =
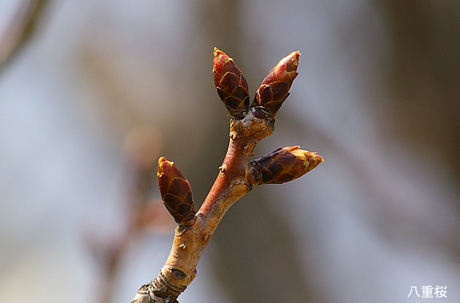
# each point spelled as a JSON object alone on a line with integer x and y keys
{"x": 161, "y": 160}
{"x": 319, "y": 158}
{"x": 291, "y": 61}
{"x": 217, "y": 52}
{"x": 295, "y": 55}
{"x": 163, "y": 164}
{"x": 311, "y": 158}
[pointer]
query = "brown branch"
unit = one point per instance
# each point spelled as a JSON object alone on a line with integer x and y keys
{"x": 21, "y": 28}
{"x": 237, "y": 175}
{"x": 140, "y": 149}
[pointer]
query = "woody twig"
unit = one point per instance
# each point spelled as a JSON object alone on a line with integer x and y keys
{"x": 250, "y": 123}
{"x": 20, "y": 29}
{"x": 140, "y": 210}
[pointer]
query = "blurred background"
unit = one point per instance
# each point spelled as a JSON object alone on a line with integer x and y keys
{"x": 93, "y": 92}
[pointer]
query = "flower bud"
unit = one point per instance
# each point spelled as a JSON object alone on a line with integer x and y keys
{"x": 282, "y": 165}
{"x": 275, "y": 87}
{"x": 176, "y": 192}
{"x": 231, "y": 86}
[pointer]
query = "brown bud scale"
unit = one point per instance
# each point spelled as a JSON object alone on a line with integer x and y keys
{"x": 275, "y": 87}
{"x": 176, "y": 192}
{"x": 282, "y": 165}
{"x": 231, "y": 85}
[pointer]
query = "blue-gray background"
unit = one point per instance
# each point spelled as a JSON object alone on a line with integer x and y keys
{"x": 377, "y": 96}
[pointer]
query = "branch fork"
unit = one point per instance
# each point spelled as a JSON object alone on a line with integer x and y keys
{"x": 250, "y": 123}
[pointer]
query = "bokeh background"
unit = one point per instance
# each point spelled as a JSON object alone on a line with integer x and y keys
{"x": 100, "y": 89}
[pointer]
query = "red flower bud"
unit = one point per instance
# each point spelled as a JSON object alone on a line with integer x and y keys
{"x": 231, "y": 86}
{"x": 275, "y": 87}
{"x": 282, "y": 165}
{"x": 176, "y": 192}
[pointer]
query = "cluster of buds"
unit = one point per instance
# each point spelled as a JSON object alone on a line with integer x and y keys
{"x": 284, "y": 164}
{"x": 280, "y": 166}
{"x": 251, "y": 123}
{"x": 232, "y": 88}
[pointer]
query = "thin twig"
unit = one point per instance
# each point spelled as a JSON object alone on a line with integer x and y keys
{"x": 237, "y": 175}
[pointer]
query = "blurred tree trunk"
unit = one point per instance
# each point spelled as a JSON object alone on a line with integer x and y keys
{"x": 425, "y": 74}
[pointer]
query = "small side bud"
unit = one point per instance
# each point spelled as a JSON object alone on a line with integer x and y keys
{"x": 231, "y": 86}
{"x": 282, "y": 165}
{"x": 275, "y": 87}
{"x": 176, "y": 192}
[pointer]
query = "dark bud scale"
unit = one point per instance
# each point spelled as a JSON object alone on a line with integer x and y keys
{"x": 176, "y": 192}
{"x": 282, "y": 165}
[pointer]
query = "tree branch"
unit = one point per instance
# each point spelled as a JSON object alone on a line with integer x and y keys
{"x": 20, "y": 29}
{"x": 237, "y": 175}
